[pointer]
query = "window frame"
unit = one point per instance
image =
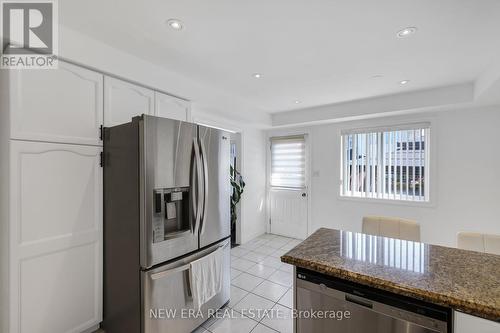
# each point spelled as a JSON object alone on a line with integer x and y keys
{"x": 430, "y": 170}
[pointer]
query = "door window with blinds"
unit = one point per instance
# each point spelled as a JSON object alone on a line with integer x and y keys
{"x": 386, "y": 163}
{"x": 288, "y": 162}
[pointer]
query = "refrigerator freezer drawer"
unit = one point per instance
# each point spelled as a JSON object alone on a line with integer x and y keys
{"x": 167, "y": 298}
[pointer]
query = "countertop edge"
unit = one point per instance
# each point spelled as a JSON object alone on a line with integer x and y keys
{"x": 424, "y": 295}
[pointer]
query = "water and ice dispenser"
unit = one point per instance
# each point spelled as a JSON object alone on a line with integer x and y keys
{"x": 171, "y": 213}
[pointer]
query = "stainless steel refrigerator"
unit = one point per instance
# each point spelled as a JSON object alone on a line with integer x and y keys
{"x": 166, "y": 203}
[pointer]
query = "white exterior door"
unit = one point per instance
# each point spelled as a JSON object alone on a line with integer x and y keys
{"x": 55, "y": 237}
{"x": 60, "y": 105}
{"x": 167, "y": 106}
{"x": 289, "y": 213}
{"x": 124, "y": 100}
{"x": 288, "y": 197}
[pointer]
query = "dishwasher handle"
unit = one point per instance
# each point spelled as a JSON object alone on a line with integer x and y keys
{"x": 359, "y": 301}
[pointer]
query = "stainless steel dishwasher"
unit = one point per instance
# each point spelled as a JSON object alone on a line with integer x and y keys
{"x": 371, "y": 310}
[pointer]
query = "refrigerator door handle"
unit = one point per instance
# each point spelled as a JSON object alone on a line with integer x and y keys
{"x": 205, "y": 186}
{"x": 164, "y": 274}
{"x": 167, "y": 273}
{"x": 185, "y": 267}
{"x": 197, "y": 186}
{"x": 192, "y": 194}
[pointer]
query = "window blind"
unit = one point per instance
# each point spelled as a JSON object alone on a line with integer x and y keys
{"x": 288, "y": 162}
{"x": 386, "y": 164}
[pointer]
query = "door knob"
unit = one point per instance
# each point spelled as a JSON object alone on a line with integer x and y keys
{"x": 304, "y": 195}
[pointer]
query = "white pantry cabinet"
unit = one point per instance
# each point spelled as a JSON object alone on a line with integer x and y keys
{"x": 124, "y": 100}
{"x": 55, "y": 237}
{"x": 60, "y": 105}
{"x": 167, "y": 106}
{"x": 51, "y": 194}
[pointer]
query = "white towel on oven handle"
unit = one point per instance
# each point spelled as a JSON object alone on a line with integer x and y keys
{"x": 206, "y": 277}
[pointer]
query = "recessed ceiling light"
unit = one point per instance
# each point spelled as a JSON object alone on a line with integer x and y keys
{"x": 257, "y": 75}
{"x": 404, "y": 82}
{"x": 406, "y": 32}
{"x": 297, "y": 102}
{"x": 175, "y": 24}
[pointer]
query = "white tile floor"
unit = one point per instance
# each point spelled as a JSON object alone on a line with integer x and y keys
{"x": 259, "y": 280}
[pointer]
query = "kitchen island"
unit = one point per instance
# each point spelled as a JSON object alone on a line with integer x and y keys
{"x": 433, "y": 284}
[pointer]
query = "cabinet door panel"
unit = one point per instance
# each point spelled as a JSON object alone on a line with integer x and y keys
{"x": 60, "y": 105}
{"x": 56, "y": 190}
{"x": 56, "y": 237}
{"x": 59, "y": 291}
{"x": 124, "y": 100}
{"x": 171, "y": 107}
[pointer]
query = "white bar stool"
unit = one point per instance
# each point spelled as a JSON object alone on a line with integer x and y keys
{"x": 393, "y": 227}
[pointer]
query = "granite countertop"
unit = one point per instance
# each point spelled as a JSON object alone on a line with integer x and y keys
{"x": 463, "y": 280}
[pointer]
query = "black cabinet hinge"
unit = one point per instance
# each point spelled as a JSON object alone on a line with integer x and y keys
{"x": 101, "y": 162}
{"x": 101, "y": 133}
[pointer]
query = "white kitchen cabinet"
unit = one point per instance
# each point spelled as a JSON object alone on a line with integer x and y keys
{"x": 60, "y": 105}
{"x": 124, "y": 100}
{"x": 465, "y": 323}
{"x": 167, "y": 106}
{"x": 55, "y": 237}
{"x": 51, "y": 198}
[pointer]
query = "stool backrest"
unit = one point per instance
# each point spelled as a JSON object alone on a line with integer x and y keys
{"x": 391, "y": 227}
{"x": 473, "y": 241}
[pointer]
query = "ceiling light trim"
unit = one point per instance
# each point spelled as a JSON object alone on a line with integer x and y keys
{"x": 175, "y": 24}
{"x": 406, "y": 32}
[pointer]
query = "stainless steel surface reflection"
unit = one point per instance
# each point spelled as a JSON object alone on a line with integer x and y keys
{"x": 371, "y": 316}
{"x": 389, "y": 252}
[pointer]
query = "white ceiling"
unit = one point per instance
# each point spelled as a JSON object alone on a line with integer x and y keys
{"x": 319, "y": 52}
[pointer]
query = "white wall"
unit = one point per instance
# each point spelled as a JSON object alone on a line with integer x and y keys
{"x": 253, "y": 208}
{"x": 465, "y": 187}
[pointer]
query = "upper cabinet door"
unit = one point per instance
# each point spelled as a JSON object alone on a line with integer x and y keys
{"x": 167, "y": 106}
{"x": 123, "y": 101}
{"x": 58, "y": 105}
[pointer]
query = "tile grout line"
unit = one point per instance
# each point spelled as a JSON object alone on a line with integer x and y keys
{"x": 248, "y": 271}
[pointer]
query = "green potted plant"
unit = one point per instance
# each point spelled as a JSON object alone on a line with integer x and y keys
{"x": 237, "y": 185}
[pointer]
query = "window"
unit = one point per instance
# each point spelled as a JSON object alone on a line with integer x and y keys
{"x": 288, "y": 162}
{"x": 386, "y": 163}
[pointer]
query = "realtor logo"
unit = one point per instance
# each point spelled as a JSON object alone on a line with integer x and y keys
{"x": 29, "y": 34}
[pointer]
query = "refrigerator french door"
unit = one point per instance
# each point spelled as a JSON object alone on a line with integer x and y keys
{"x": 216, "y": 210}
{"x": 170, "y": 178}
